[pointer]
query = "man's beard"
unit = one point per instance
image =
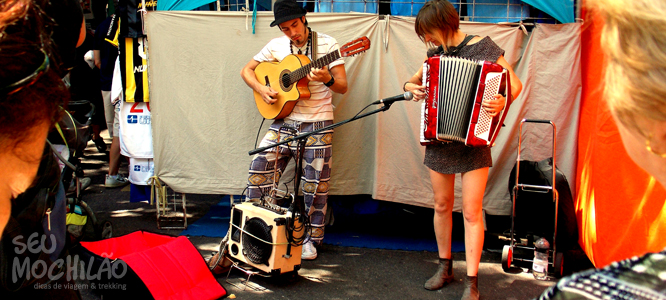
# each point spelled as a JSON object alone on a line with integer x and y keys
{"x": 303, "y": 37}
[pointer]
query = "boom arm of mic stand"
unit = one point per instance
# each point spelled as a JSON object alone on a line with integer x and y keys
{"x": 385, "y": 107}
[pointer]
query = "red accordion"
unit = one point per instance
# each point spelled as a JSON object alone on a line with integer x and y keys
{"x": 455, "y": 89}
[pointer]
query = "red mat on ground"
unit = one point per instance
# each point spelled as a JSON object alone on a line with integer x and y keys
{"x": 170, "y": 267}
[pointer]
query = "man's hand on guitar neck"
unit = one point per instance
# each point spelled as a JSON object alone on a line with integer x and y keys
{"x": 325, "y": 75}
{"x": 321, "y": 75}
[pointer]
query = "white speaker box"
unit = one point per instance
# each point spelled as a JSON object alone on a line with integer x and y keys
{"x": 259, "y": 238}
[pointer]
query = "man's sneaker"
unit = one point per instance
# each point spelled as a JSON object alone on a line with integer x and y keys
{"x": 113, "y": 181}
{"x": 309, "y": 251}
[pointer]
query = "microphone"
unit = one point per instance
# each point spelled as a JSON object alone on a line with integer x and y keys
{"x": 390, "y": 100}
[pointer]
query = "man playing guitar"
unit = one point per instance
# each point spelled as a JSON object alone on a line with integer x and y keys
{"x": 308, "y": 114}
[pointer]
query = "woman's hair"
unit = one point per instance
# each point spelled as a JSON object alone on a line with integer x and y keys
{"x": 437, "y": 15}
{"x": 31, "y": 93}
{"x": 634, "y": 40}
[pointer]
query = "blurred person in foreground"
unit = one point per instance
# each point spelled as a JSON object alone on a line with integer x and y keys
{"x": 31, "y": 91}
{"x": 634, "y": 41}
{"x": 37, "y": 39}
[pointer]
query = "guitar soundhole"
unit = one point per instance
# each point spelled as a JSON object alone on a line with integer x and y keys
{"x": 285, "y": 80}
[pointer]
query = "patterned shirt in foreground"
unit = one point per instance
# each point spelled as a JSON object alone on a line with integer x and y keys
{"x": 634, "y": 278}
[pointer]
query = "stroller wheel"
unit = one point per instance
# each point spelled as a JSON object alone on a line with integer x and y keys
{"x": 104, "y": 230}
{"x": 507, "y": 258}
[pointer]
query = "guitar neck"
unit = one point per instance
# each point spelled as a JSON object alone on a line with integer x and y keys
{"x": 319, "y": 63}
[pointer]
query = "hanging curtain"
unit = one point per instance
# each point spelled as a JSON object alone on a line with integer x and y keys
{"x": 378, "y": 155}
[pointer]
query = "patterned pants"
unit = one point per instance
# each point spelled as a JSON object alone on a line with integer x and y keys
{"x": 316, "y": 171}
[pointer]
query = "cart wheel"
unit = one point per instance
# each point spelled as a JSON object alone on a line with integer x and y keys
{"x": 104, "y": 230}
{"x": 559, "y": 264}
{"x": 507, "y": 257}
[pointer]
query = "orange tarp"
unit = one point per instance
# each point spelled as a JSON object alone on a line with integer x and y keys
{"x": 620, "y": 208}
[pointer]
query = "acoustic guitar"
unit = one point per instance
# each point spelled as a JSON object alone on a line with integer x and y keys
{"x": 289, "y": 77}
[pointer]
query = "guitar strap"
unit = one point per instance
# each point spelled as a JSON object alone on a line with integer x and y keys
{"x": 314, "y": 46}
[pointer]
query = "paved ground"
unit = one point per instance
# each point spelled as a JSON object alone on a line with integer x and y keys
{"x": 338, "y": 272}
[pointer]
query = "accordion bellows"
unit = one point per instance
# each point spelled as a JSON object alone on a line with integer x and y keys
{"x": 455, "y": 90}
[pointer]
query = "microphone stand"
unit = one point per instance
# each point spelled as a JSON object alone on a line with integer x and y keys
{"x": 299, "y": 203}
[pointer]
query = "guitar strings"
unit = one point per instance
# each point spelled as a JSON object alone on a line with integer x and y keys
{"x": 303, "y": 71}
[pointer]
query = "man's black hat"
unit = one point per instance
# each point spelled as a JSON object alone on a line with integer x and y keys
{"x": 285, "y": 10}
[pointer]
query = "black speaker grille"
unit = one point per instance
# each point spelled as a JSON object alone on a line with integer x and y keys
{"x": 257, "y": 251}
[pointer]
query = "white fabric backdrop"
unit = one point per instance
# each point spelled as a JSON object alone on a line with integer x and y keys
{"x": 205, "y": 120}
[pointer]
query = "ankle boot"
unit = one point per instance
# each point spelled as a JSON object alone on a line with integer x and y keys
{"x": 443, "y": 276}
{"x": 471, "y": 288}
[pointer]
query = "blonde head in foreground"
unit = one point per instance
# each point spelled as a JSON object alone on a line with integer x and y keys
{"x": 634, "y": 41}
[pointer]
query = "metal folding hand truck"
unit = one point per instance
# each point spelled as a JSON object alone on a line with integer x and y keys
{"x": 520, "y": 243}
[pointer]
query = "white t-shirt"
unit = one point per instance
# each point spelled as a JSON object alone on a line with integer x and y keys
{"x": 136, "y": 134}
{"x": 140, "y": 170}
{"x": 319, "y": 107}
